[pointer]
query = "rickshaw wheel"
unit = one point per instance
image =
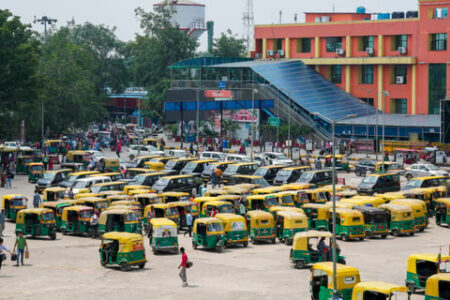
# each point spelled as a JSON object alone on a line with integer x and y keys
{"x": 358, "y": 173}
{"x": 124, "y": 266}
{"x": 274, "y": 241}
{"x": 300, "y": 264}
{"x": 342, "y": 261}
{"x": 252, "y": 240}
{"x": 422, "y": 229}
{"x": 52, "y": 236}
{"x": 344, "y": 237}
{"x": 194, "y": 245}
{"x": 141, "y": 266}
{"x": 63, "y": 231}
{"x": 361, "y": 238}
{"x": 408, "y": 177}
{"x": 245, "y": 244}
{"x": 383, "y": 236}
{"x": 219, "y": 249}
{"x": 286, "y": 242}
{"x": 395, "y": 232}
{"x": 411, "y": 233}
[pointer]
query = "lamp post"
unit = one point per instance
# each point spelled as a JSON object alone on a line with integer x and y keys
{"x": 384, "y": 95}
{"x": 333, "y": 136}
{"x": 252, "y": 126}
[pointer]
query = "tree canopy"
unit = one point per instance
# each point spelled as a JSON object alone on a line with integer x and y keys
{"x": 229, "y": 45}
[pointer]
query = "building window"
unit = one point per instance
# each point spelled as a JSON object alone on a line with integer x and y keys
{"x": 367, "y": 74}
{"x": 304, "y": 45}
{"x": 398, "y": 41}
{"x": 368, "y": 101}
{"x": 399, "y": 106}
{"x": 399, "y": 74}
{"x": 440, "y": 13}
{"x": 334, "y": 43}
{"x": 336, "y": 74}
{"x": 366, "y": 42}
{"x": 438, "y": 42}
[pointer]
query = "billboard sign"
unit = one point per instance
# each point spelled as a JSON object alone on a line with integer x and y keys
{"x": 219, "y": 95}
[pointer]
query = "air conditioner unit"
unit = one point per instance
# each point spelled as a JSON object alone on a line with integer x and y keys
{"x": 317, "y": 19}
{"x": 340, "y": 51}
{"x": 269, "y": 53}
{"x": 280, "y": 53}
{"x": 399, "y": 80}
{"x": 401, "y": 50}
{"x": 257, "y": 55}
{"x": 369, "y": 51}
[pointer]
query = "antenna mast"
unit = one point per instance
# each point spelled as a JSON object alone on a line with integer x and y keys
{"x": 249, "y": 25}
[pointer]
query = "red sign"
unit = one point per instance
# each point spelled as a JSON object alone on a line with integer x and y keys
{"x": 218, "y": 94}
{"x": 244, "y": 115}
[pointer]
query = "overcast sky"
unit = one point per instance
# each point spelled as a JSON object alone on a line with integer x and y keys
{"x": 227, "y": 14}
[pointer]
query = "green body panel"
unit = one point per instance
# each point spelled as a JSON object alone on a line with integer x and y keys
{"x": 11, "y": 214}
{"x": 421, "y": 222}
{"x": 127, "y": 227}
{"x": 376, "y": 229}
{"x": 236, "y": 236}
{"x": 58, "y": 222}
{"x": 355, "y": 231}
{"x": 432, "y": 298}
{"x": 402, "y": 226}
{"x": 262, "y": 233}
{"x": 289, "y": 233}
{"x": 21, "y": 169}
{"x": 326, "y": 294}
{"x": 306, "y": 256}
{"x": 208, "y": 241}
{"x": 161, "y": 243}
{"x": 76, "y": 227}
{"x": 37, "y": 229}
{"x": 318, "y": 224}
{"x": 135, "y": 257}
{"x": 33, "y": 178}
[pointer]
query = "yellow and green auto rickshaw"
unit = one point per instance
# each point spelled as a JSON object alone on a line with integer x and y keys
{"x": 112, "y": 164}
{"x": 375, "y": 221}
{"x": 303, "y": 252}
{"x": 54, "y": 194}
{"x": 235, "y": 229}
{"x": 286, "y": 198}
{"x": 174, "y": 197}
{"x": 260, "y": 202}
{"x": 365, "y": 201}
{"x": 162, "y": 234}
{"x": 349, "y": 224}
{"x": 288, "y": 223}
{"x": 401, "y": 220}
{"x": 11, "y": 204}
{"x": 233, "y": 199}
{"x": 419, "y": 212}
{"x": 317, "y": 215}
{"x": 123, "y": 249}
{"x": 388, "y": 167}
{"x": 160, "y": 210}
{"x": 97, "y": 203}
{"x": 129, "y": 188}
{"x": 442, "y": 211}
{"x": 122, "y": 220}
{"x": 208, "y": 233}
{"x": 369, "y": 290}
{"x": 261, "y": 226}
{"x": 35, "y": 170}
{"x": 57, "y": 207}
{"x": 36, "y": 222}
{"x": 183, "y": 208}
{"x": 200, "y": 201}
{"x": 297, "y": 186}
{"x": 438, "y": 287}
{"x": 428, "y": 195}
{"x": 22, "y": 162}
{"x": 420, "y": 266}
{"x": 211, "y": 208}
{"x": 322, "y": 281}
{"x": 318, "y": 195}
{"x": 147, "y": 199}
{"x": 76, "y": 219}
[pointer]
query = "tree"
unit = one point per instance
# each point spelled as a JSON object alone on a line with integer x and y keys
{"x": 229, "y": 45}
{"x": 19, "y": 56}
{"x": 229, "y": 127}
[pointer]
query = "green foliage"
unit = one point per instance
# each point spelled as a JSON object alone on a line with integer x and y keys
{"x": 283, "y": 130}
{"x": 229, "y": 127}
{"x": 229, "y": 45}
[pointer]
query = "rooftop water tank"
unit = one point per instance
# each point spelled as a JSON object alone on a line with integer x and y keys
{"x": 398, "y": 15}
{"x": 360, "y": 10}
{"x": 412, "y": 14}
{"x": 383, "y": 16}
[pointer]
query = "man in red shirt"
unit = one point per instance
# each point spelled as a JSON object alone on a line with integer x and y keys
{"x": 183, "y": 266}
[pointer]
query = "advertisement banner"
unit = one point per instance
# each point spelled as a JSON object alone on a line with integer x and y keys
{"x": 309, "y": 145}
{"x": 218, "y": 94}
{"x": 245, "y": 115}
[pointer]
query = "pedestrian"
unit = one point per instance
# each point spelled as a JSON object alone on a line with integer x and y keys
{"x": 37, "y": 199}
{"x": 3, "y": 178}
{"x": 92, "y": 164}
{"x": 218, "y": 174}
{"x": 70, "y": 193}
{"x": 94, "y": 225}
{"x": 183, "y": 266}
{"x": 189, "y": 221}
{"x": 118, "y": 148}
{"x": 50, "y": 164}
{"x": 9, "y": 178}
{"x": 191, "y": 149}
{"x": 318, "y": 163}
{"x": 45, "y": 161}
{"x": 242, "y": 208}
{"x": 22, "y": 246}
{"x": 2, "y": 222}
{"x": 194, "y": 191}
{"x": 2, "y": 255}
{"x": 203, "y": 190}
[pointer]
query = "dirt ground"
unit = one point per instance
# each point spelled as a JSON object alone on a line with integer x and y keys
{"x": 69, "y": 267}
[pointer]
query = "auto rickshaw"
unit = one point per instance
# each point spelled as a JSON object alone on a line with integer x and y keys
{"x": 340, "y": 162}
{"x": 154, "y": 165}
{"x": 11, "y": 204}
{"x": 419, "y": 212}
{"x": 209, "y": 207}
{"x": 407, "y": 156}
{"x": 365, "y": 201}
{"x": 36, "y": 222}
{"x": 387, "y": 197}
{"x": 288, "y": 223}
{"x": 111, "y": 164}
{"x": 123, "y": 249}
{"x": 313, "y": 196}
{"x": 35, "y": 170}
{"x": 370, "y": 290}
{"x": 161, "y": 210}
{"x": 420, "y": 266}
{"x": 388, "y": 167}
{"x": 98, "y": 204}
{"x": 54, "y": 194}
{"x": 233, "y": 199}
{"x": 209, "y": 233}
{"x": 261, "y": 226}
{"x": 235, "y": 229}
{"x": 442, "y": 211}
{"x": 302, "y": 252}
{"x": 260, "y": 202}
{"x": 162, "y": 234}
{"x": 200, "y": 201}
{"x": 286, "y": 198}
{"x": 322, "y": 281}
{"x": 349, "y": 224}
{"x": 57, "y": 207}
{"x": 146, "y": 199}
{"x": 174, "y": 197}
{"x": 21, "y": 163}
{"x": 297, "y": 186}
{"x": 122, "y": 220}
{"x": 76, "y": 219}
{"x": 428, "y": 195}
{"x": 438, "y": 287}
{"x": 183, "y": 208}
{"x": 401, "y": 220}
{"x": 375, "y": 221}
{"x": 317, "y": 215}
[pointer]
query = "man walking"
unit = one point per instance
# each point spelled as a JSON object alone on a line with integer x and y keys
{"x": 2, "y": 223}
{"x": 21, "y": 244}
{"x": 2, "y": 255}
{"x": 36, "y": 200}
{"x": 94, "y": 225}
{"x": 189, "y": 220}
{"x": 183, "y": 266}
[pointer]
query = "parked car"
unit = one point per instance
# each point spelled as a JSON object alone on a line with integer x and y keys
{"x": 178, "y": 153}
{"x": 238, "y": 158}
{"x": 143, "y": 150}
{"x": 218, "y": 156}
{"x": 424, "y": 170}
{"x": 276, "y": 158}
{"x": 365, "y": 167}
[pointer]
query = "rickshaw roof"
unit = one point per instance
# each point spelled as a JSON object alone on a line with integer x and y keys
{"x": 228, "y": 197}
{"x": 11, "y": 196}
{"x": 34, "y": 211}
{"x": 201, "y": 199}
{"x": 111, "y": 193}
{"x": 269, "y": 189}
{"x": 341, "y": 269}
{"x": 207, "y": 220}
{"x": 157, "y": 222}
{"x": 217, "y": 203}
{"x": 56, "y": 203}
{"x": 78, "y": 207}
{"x": 177, "y": 176}
{"x": 139, "y": 191}
{"x": 443, "y": 200}
{"x": 160, "y": 205}
{"x": 181, "y": 203}
{"x": 429, "y": 177}
{"x": 284, "y": 193}
{"x": 364, "y": 198}
{"x": 246, "y": 176}
{"x": 117, "y": 211}
{"x": 35, "y": 164}
{"x": 175, "y": 194}
{"x": 312, "y": 234}
{"x": 84, "y": 173}
{"x": 413, "y": 202}
{"x": 259, "y": 197}
{"x": 348, "y": 212}
{"x": 118, "y": 197}
{"x": 123, "y": 237}
{"x": 291, "y": 215}
{"x": 317, "y": 205}
{"x": 78, "y": 152}
{"x": 90, "y": 199}
{"x": 285, "y": 208}
{"x": 55, "y": 189}
{"x": 396, "y": 207}
{"x": 380, "y": 287}
{"x": 274, "y": 167}
{"x": 259, "y": 214}
{"x": 296, "y": 168}
{"x": 53, "y": 141}
{"x": 296, "y": 186}
{"x": 149, "y": 195}
{"x": 230, "y": 217}
{"x": 203, "y": 161}
{"x": 125, "y": 202}
{"x": 433, "y": 257}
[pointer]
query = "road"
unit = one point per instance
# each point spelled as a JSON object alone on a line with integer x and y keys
{"x": 69, "y": 267}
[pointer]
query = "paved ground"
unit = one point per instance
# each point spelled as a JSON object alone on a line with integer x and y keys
{"x": 69, "y": 267}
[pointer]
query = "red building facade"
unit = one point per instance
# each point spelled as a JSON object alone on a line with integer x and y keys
{"x": 400, "y": 65}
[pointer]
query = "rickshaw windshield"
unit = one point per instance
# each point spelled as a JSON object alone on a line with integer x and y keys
{"x": 85, "y": 214}
{"x": 377, "y": 218}
{"x": 171, "y": 211}
{"x": 261, "y": 172}
{"x": 101, "y": 205}
{"x": 306, "y": 177}
{"x": 231, "y": 169}
{"x": 49, "y": 175}
{"x": 270, "y": 201}
{"x": 37, "y": 168}
{"x": 287, "y": 199}
{"x": 18, "y": 202}
{"x": 369, "y": 179}
{"x": 131, "y": 217}
{"x": 237, "y": 226}
{"x": 170, "y": 164}
{"x": 413, "y": 184}
{"x": 164, "y": 231}
{"x": 184, "y": 198}
{"x": 190, "y": 167}
{"x": 226, "y": 208}
{"x": 72, "y": 178}
{"x": 284, "y": 173}
{"x": 48, "y": 216}
{"x": 161, "y": 184}
{"x": 261, "y": 182}
{"x": 215, "y": 227}
{"x": 322, "y": 196}
{"x": 139, "y": 179}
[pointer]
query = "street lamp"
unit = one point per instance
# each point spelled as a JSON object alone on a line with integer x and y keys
{"x": 252, "y": 127}
{"x": 333, "y": 122}
{"x": 384, "y": 95}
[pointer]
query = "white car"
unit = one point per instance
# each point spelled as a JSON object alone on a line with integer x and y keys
{"x": 219, "y": 156}
{"x": 143, "y": 150}
{"x": 424, "y": 170}
{"x": 96, "y": 154}
{"x": 276, "y": 158}
{"x": 237, "y": 158}
{"x": 178, "y": 153}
